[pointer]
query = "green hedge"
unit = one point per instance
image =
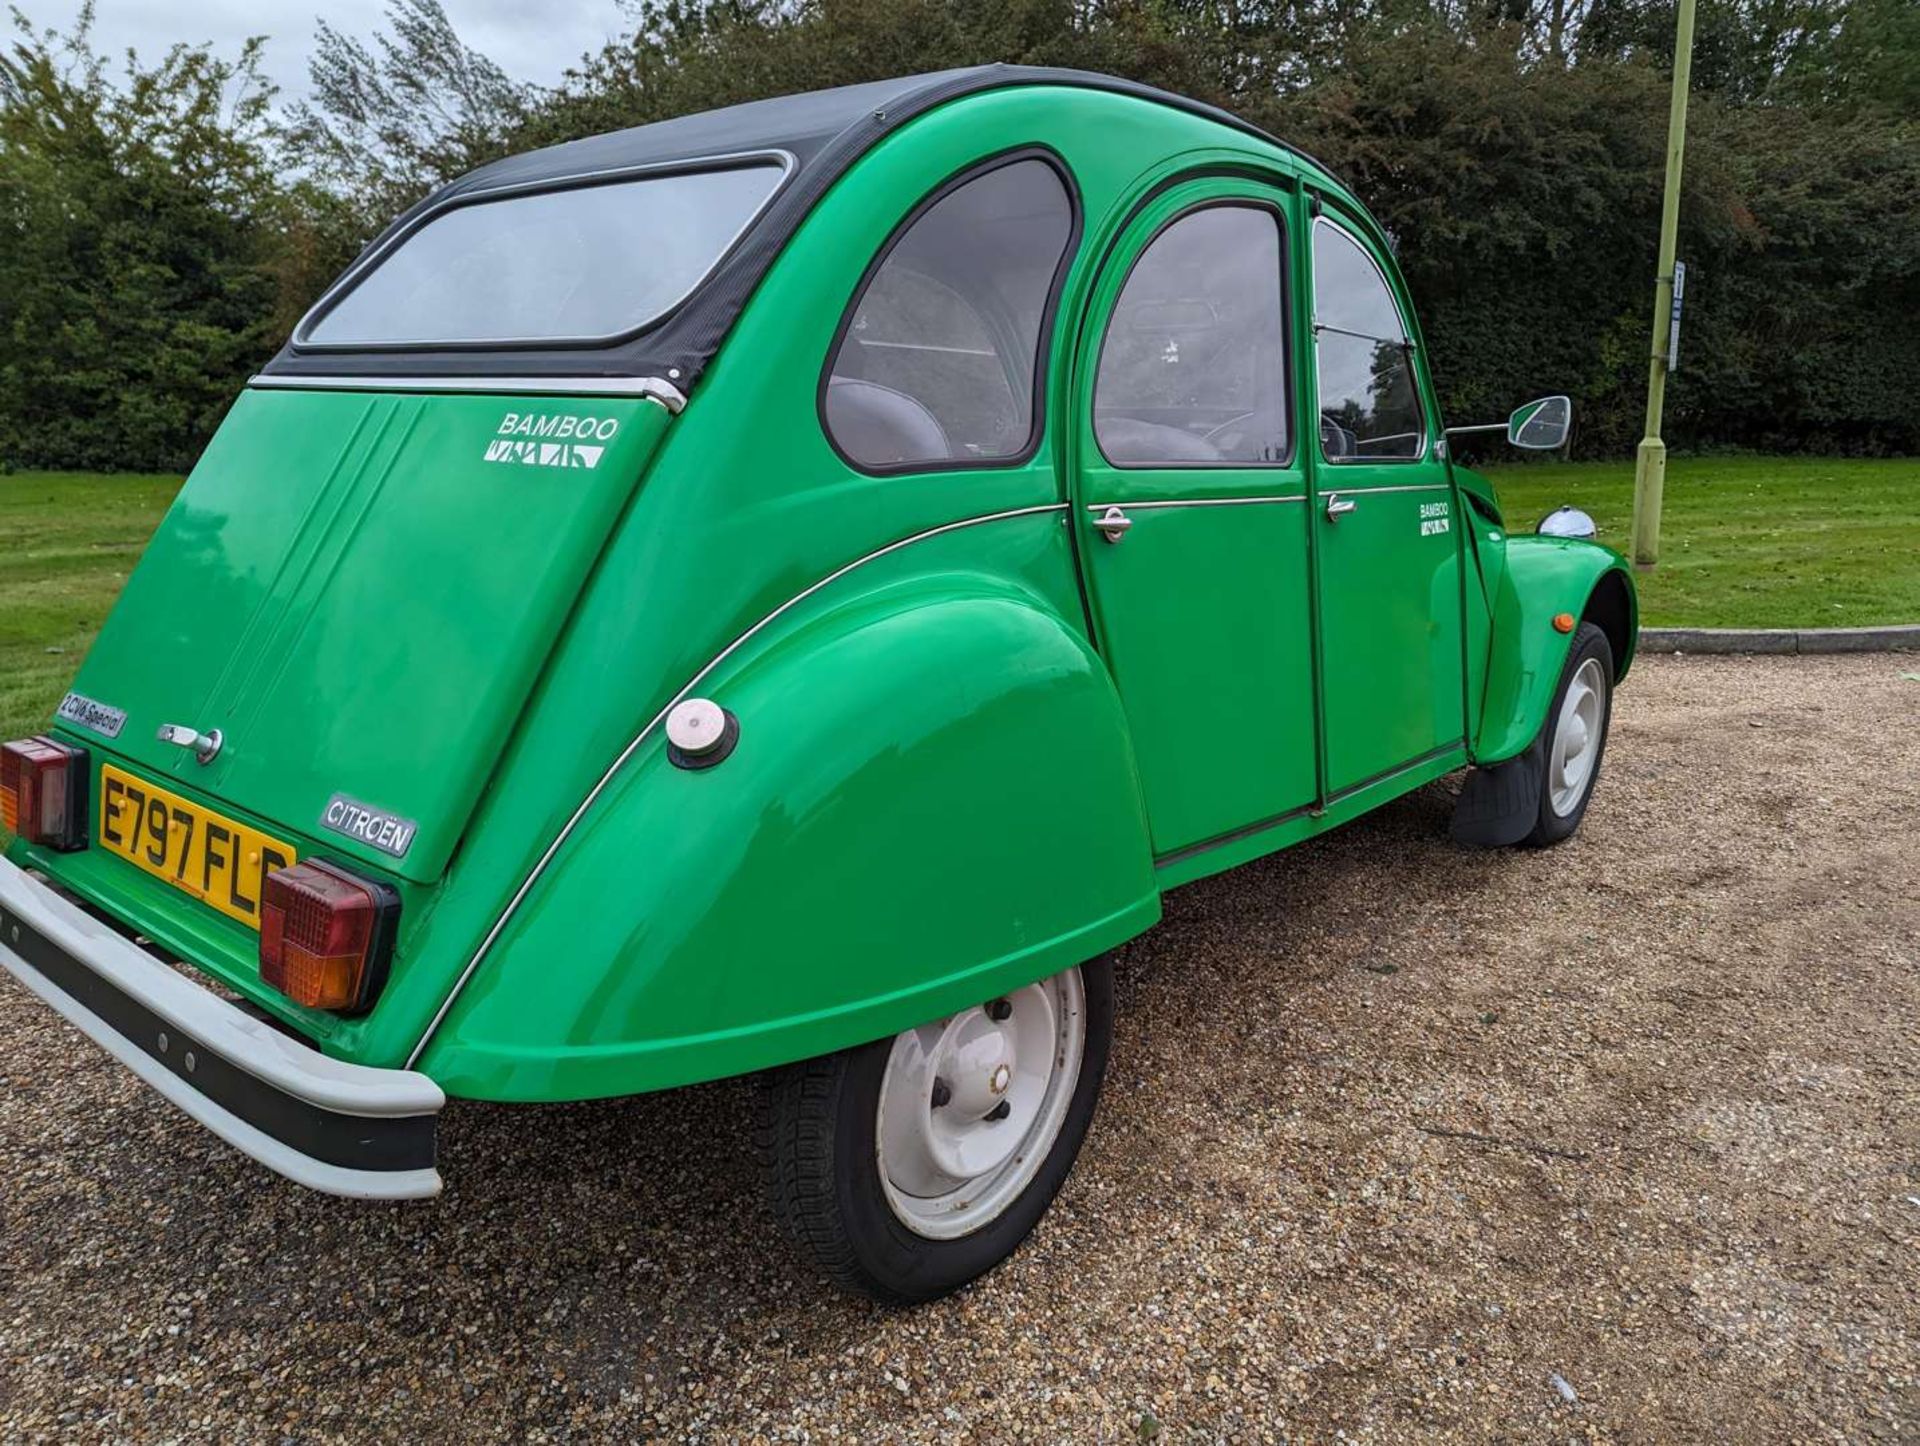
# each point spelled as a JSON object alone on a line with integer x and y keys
{"x": 153, "y": 251}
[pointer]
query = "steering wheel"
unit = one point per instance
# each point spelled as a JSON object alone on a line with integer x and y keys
{"x": 1337, "y": 440}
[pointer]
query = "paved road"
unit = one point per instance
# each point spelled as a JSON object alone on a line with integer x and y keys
{"x": 1394, "y": 1135}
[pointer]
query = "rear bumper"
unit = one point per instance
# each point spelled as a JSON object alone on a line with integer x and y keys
{"x": 342, "y": 1128}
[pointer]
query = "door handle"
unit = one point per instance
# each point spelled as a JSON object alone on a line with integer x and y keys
{"x": 204, "y": 745}
{"x": 1113, "y": 524}
{"x": 1338, "y": 506}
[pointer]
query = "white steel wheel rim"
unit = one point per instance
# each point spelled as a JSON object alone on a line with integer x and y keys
{"x": 949, "y": 1169}
{"x": 1577, "y": 733}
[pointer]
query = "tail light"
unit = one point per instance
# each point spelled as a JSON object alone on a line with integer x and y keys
{"x": 326, "y": 935}
{"x": 43, "y": 792}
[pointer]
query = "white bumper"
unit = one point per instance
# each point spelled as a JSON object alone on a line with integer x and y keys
{"x": 345, "y": 1129}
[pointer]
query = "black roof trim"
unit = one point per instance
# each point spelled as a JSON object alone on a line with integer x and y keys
{"x": 826, "y": 131}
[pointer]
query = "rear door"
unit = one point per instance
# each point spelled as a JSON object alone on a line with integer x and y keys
{"x": 1192, "y": 499}
{"x": 1384, "y": 511}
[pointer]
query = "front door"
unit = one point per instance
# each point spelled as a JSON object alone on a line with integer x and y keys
{"x": 1192, "y": 504}
{"x": 1387, "y": 530}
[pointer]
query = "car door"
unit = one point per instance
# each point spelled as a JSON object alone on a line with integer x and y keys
{"x": 1192, "y": 500}
{"x": 1388, "y": 537}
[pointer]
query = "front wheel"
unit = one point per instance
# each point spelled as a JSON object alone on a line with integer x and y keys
{"x": 909, "y": 1166}
{"x": 1575, "y": 737}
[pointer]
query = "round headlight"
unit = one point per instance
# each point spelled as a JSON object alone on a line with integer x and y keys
{"x": 1566, "y": 522}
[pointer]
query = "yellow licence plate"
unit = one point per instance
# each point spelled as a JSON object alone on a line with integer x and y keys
{"x": 193, "y": 848}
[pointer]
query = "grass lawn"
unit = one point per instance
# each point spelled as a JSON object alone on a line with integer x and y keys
{"x": 67, "y": 543}
{"x": 1747, "y": 542}
{"x": 1753, "y": 542}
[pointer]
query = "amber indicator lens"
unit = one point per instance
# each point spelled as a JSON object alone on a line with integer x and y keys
{"x": 326, "y": 935}
{"x": 43, "y": 792}
{"x": 1563, "y": 622}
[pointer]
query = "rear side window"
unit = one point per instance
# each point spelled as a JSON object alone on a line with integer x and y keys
{"x": 1369, "y": 405}
{"x": 1193, "y": 368}
{"x": 937, "y": 362}
{"x": 585, "y": 263}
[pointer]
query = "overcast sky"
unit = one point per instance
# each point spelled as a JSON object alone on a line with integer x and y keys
{"x": 531, "y": 39}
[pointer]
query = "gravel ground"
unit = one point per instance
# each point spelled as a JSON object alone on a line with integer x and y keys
{"x": 1615, "y": 1142}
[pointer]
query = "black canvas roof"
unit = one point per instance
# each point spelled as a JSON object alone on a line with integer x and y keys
{"x": 825, "y": 132}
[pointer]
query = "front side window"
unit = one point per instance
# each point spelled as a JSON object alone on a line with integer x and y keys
{"x": 1369, "y": 405}
{"x": 585, "y": 263}
{"x": 1193, "y": 368}
{"x": 937, "y": 363}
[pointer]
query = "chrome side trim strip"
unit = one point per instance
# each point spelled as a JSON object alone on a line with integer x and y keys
{"x": 573, "y": 821}
{"x": 655, "y": 388}
{"x": 1260, "y": 501}
{"x": 1371, "y": 491}
{"x": 1191, "y": 502}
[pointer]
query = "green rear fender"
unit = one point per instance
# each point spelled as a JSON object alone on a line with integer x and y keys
{"x": 1545, "y": 576}
{"x": 933, "y": 800}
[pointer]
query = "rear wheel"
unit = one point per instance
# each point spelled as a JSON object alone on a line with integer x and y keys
{"x": 907, "y": 1167}
{"x": 1575, "y": 737}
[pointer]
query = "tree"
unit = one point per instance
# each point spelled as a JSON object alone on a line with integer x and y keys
{"x": 160, "y": 234}
{"x": 136, "y": 284}
{"x": 391, "y": 120}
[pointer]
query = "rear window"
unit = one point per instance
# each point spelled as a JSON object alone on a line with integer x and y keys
{"x": 582, "y": 264}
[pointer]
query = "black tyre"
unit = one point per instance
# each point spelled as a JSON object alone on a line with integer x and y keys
{"x": 907, "y": 1167}
{"x": 1573, "y": 740}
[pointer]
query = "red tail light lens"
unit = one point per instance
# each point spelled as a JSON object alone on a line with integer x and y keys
{"x": 326, "y": 935}
{"x": 43, "y": 792}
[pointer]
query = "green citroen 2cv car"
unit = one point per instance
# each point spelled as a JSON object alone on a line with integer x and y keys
{"x": 786, "y": 590}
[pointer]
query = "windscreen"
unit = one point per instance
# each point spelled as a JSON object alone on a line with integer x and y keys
{"x": 588, "y": 262}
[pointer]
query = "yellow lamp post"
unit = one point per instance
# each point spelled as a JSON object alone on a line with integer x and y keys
{"x": 1650, "y": 464}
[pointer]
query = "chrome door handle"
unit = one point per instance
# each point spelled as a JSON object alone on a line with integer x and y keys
{"x": 1338, "y": 506}
{"x": 1113, "y": 524}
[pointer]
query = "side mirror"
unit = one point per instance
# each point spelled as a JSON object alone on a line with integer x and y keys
{"x": 1541, "y": 426}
